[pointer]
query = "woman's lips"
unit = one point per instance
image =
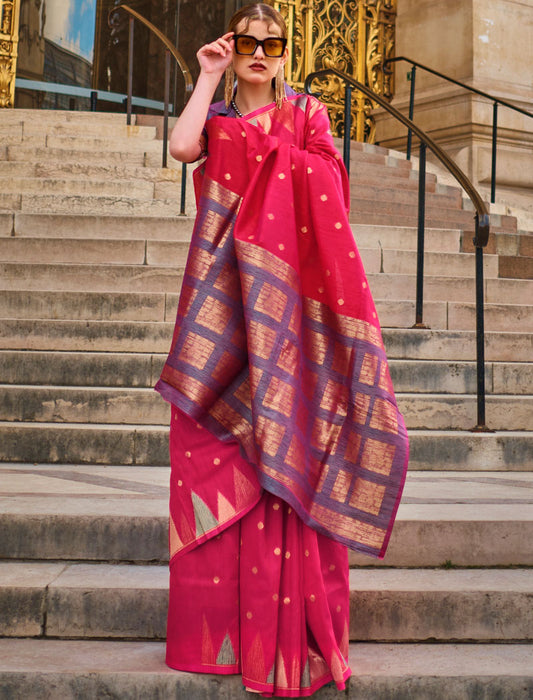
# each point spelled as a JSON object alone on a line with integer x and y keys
{"x": 258, "y": 66}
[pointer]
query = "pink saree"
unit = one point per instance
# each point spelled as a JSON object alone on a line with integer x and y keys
{"x": 286, "y": 442}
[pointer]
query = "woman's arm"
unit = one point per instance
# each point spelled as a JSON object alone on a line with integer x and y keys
{"x": 185, "y": 140}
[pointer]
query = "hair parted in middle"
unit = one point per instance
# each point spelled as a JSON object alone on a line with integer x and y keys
{"x": 264, "y": 13}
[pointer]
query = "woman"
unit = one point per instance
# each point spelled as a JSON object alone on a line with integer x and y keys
{"x": 286, "y": 443}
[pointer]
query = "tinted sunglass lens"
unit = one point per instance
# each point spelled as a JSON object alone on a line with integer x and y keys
{"x": 273, "y": 47}
{"x": 245, "y": 45}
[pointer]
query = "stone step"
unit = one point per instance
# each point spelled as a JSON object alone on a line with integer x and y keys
{"x": 403, "y": 197}
{"x": 10, "y": 201}
{"x": 98, "y": 204}
{"x": 82, "y": 143}
{"x": 131, "y": 306}
{"x": 140, "y": 406}
{"x": 519, "y": 268}
{"x": 92, "y": 405}
{"x": 79, "y": 186}
{"x": 30, "y": 133}
{"x": 170, "y": 253}
{"x": 178, "y": 228}
{"x": 512, "y": 244}
{"x": 145, "y": 445}
{"x": 60, "y": 169}
{"x": 96, "y": 250}
{"x": 104, "y": 129}
{"x": 155, "y": 337}
{"x": 455, "y": 315}
{"x": 63, "y": 116}
{"x": 47, "y": 669}
{"x": 124, "y": 601}
{"x": 90, "y": 278}
{"x": 81, "y": 368}
{"x": 113, "y": 514}
{"x": 142, "y": 370}
{"x": 56, "y": 443}
{"x": 371, "y": 212}
{"x": 88, "y": 306}
{"x": 459, "y": 412}
{"x": 146, "y": 278}
{"x": 95, "y": 226}
{"x": 113, "y": 156}
{"x": 392, "y": 172}
{"x": 456, "y": 345}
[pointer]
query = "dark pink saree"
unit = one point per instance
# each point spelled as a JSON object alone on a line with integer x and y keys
{"x": 286, "y": 441}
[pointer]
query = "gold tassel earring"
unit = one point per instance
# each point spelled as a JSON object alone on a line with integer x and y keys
{"x": 280, "y": 87}
{"x": 228, "y": 85}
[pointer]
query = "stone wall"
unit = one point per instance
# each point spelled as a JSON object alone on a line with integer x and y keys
{"x": 487, "y": 44}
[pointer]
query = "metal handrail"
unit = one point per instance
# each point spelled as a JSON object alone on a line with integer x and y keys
{"x": 495, "y": 102}
{"x": 482, "y": 218}
{"x": 170, "y": 49}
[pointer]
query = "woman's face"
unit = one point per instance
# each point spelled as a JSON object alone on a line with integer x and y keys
{"x": 258, "y": 68}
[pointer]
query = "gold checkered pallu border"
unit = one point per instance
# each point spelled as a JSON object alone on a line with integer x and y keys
{"x": 277, "y": 343}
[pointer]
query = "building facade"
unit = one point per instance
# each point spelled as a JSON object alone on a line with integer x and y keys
{"x": 487, "y": 44}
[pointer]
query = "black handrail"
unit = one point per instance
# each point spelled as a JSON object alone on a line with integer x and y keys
{"x": 495, "y": 100}
{"x": 170, "y": 49}
{"x": 482, "y": 219}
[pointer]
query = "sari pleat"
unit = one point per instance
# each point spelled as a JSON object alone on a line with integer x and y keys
{"x": 266, "y": 597}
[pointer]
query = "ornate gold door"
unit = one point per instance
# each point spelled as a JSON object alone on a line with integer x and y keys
{"x": 9, "y": 32}
{"x": 355, "y": 36}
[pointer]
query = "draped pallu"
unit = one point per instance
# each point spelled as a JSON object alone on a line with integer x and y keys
{"x": 277, "y": 345}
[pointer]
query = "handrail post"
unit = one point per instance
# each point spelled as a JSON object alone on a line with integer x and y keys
{"x": 183, "y": 187}
{"x": 347, "y": 124}
{"x": 419, "y": 312}
{"x": 494, "y": 148}
{"x": 167, "y": 97}
{"x": 411, "y": 111}
{"x": 480, "y": 338}
{"x": 130, "y": 72}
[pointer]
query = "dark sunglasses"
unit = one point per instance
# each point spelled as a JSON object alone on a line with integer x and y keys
{"x": 272, "y": 46}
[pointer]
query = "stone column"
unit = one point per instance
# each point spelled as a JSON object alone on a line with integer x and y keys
{"x": 487, "y": 44}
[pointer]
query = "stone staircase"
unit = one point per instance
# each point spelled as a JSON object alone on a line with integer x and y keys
{"x": 91, "y": 257}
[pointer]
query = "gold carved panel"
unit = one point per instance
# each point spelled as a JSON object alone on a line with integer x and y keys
{"x": 355, "y": 36}
{"x": 9, "y": 27}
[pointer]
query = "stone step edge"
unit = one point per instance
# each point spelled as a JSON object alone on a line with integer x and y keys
{"x": 53, "y": 668}
{"x": 65, "y": 597}
{"x": 148, "y": 391}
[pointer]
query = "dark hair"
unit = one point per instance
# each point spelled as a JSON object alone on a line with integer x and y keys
{"x": 258, "y": 11}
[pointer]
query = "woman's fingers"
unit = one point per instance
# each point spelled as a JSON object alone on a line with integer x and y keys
{"x": 221, "y": 46}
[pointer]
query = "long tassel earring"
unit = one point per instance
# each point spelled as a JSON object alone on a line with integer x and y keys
{"x": 228, "y": 85}
{"x": 280, "y": 87}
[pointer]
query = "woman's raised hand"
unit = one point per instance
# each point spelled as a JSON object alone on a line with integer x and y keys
{"x": 216, "y": 56}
